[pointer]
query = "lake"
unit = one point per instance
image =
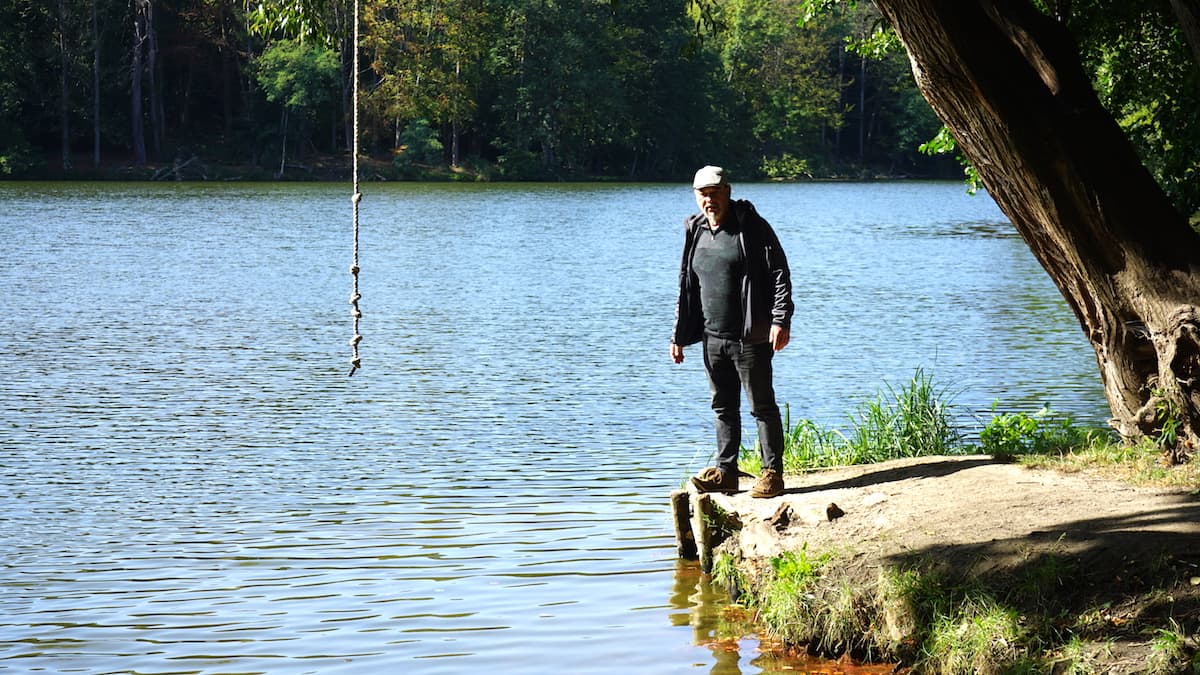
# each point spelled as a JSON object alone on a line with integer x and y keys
{"x": 190, "y": 483}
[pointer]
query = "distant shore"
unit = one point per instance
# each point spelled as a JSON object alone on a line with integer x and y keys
{"x": 337, "y": 168}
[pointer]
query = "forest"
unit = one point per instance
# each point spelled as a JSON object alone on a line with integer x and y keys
{"x": 528, "y": 89}
{"x": 475, "y": 89}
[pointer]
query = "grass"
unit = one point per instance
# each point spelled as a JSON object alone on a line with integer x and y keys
{"x": 1172, "y": 651}
{"x": 1035, "y": 617}
{"x": 938, "y": 619}
{"x": 1139, "y": 464}
{"x": 913, "y": 421}
{"x": 917, "y": 420}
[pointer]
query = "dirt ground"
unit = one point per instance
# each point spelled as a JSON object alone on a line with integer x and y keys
{"x": 1134, "y": 552}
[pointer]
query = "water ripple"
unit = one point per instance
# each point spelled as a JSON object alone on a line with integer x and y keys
{"x": 192, "y": 484}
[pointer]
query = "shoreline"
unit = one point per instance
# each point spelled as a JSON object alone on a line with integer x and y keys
{"x": 962, "y": 564}
{"x": 337, "y": 168}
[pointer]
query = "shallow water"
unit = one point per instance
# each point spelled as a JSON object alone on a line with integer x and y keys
{"x": 191, "y": 483}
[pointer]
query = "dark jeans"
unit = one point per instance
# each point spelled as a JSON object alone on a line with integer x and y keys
{"x": 732, "y": 367}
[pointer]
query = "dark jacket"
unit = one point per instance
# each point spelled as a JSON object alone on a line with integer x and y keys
{"x": 766, "y": 281}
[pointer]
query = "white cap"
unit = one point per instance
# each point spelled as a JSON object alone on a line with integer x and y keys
{"x": 708, "y": 177}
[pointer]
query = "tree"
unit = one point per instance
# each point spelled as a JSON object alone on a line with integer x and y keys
{"x": 23, "y": 27}
{"x": 300, "y": 77}
{"x": 1008, "y": 82}
{"x": 1146, "y": 76}
{"x": 64, "y": 103}
{"x": 95, "y": 84}
{"x": 777, "y": 70}
{"x": 141, "y": 12}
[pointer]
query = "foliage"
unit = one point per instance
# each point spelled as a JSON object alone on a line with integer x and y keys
{"x": 913, "y": 421}
{"x": 16, "y": 156}
{"x": 514, "y": 88}
{"x": 727, "y": 574}
{"x": 785, "y": 167}
{"x": 919, "y": 420}
{"x": 1008, "y": 435}
{"x": 302, "y": 20}
{"x": 297, "y": 74}
{"x": 982, "y": 636}
{"x": 1172, "y": 651}
{"x": 1036, "y": 615}
{"x": 784, "y": 599}
{"x": 943, "y": 144}
{"x": 418, "y": 145}
{"x": 1167, "y": 417}
{"x": 1140, "y": 66}
{"x": 1105, "y": 453}
{"x": 1148, "y": 78}
{"x": 636, "y": 88}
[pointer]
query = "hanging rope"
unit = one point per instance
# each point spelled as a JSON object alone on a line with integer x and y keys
{"x": 355, "y": 296}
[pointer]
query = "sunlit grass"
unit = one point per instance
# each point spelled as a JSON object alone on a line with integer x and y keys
{"x": 1028, "y": 619}
{"x": 915, "y": 420}
{"x": 1106, "y": 455}
{"x": 918, "y": 420}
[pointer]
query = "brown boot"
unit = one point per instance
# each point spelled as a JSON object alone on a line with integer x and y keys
{"x": 769, "y": 484}
{"x": 713, "y": 479}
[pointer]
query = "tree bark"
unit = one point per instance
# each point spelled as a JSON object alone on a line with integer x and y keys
{"x": 1008, "y": 83}
{"x": 95, "y": 85}
{"x": 64, "y": 101}
{"x": 138, "y": 124}
{"x": 1188, "y": 14}
{"x": 152, "y": 69}
{"x": 283, "y": 125}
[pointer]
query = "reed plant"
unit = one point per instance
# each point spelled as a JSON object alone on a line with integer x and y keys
{"x": 915, "y": 420}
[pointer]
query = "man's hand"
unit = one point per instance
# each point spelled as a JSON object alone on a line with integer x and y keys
{"x": 779, "y": 337}
{"x": 676, "y": 353}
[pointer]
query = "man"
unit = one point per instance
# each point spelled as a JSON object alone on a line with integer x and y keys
{"x": 735, "y": 296}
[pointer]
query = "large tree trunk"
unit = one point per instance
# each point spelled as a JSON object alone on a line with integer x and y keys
{"x": 1188, "y": 13}
{"x": 1007, "y": 81}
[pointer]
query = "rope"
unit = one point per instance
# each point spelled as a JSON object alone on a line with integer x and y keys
{"x": 355, "y": 296}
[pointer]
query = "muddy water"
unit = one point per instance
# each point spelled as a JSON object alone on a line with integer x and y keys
{"x": 189, "y": 483}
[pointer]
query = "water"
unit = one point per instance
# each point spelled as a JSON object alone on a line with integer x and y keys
{"x": 192, "y": 484}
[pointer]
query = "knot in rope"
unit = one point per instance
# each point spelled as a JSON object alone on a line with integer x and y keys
{"x": 355, "y": 198}
{"x": 355, "y": 295}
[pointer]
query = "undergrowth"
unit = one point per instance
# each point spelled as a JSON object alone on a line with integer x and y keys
{"x": 918, "y": 420}
{"x": 1039, "y": 616}
{"x": 915, "y": 420}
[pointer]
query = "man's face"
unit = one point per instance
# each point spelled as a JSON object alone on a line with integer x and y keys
{"x": 713, "y": 202}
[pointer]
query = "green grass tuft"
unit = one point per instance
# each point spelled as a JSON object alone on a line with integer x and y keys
{"x": 913, "y": 421}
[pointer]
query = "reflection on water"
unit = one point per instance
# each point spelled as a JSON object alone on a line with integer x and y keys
{"x": 726, "y": 631}
{"x": 189, "y": 483}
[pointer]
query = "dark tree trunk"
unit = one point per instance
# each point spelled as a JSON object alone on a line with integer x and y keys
{"x": 152, "y": 69}
{"x": 135, "y": 103}
{"x": 862, "y": 108}
{"x": 227, "y": 85}
{"x": 64, "y": 100}
{"x": 1008, "y": 82}
{"x": 95, "y": 85}
{"x": 1188, "y": 13}
{"x": 283, "y": 125}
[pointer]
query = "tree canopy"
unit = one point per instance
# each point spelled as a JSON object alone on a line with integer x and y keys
{"x": 518, "y": 89}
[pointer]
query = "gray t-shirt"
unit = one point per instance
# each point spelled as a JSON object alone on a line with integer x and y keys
{"x": 718, "y": 265}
